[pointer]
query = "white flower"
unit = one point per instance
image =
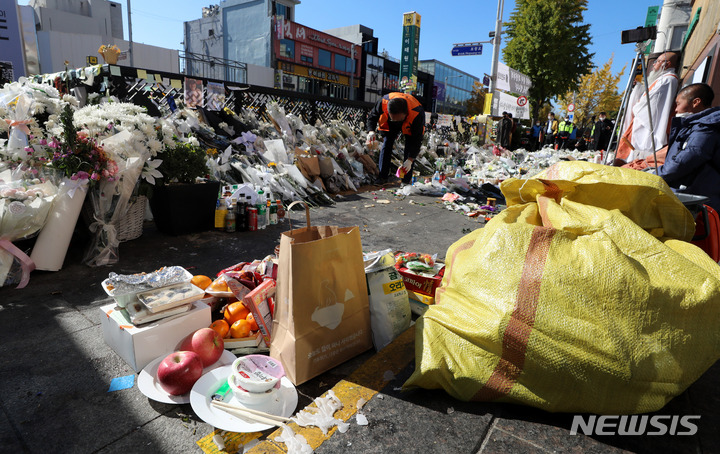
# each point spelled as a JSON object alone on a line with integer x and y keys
{"x": 71, "y": 100}
{"x": 155, "y": 146}
{"x": 150, "y": 171}
{"x": 193, "y": 141}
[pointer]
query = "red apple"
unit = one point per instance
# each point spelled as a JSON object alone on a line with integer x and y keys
{"x": 207, "y": 343}
{"x": 178, "y": 372}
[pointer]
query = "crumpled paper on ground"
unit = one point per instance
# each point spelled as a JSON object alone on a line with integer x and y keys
{"x": 323, "y": 416}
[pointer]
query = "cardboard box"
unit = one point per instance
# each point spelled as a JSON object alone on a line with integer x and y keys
{"x": 420, "y": 298}
{"x": 257, "y": 302}
{"x": 423, "y": 283}
{"x": 418, "y": 308}
{"x": 139, "y": 346}
{"x": 253, "y": 340}
{"x": 419, "y": 303}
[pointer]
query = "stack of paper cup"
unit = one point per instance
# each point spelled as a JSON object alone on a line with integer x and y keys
{"x": 255, "y": 379}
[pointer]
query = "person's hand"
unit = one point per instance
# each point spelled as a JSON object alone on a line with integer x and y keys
{"x": 370, "y": 138}
{"x": 407, "y": 164}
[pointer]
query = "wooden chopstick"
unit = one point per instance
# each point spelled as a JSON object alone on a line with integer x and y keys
{"x": 248, "y": 413}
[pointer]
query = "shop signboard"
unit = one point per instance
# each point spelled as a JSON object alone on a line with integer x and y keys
{"x": 409, "y": 54}
{"x": 512, "y": 81}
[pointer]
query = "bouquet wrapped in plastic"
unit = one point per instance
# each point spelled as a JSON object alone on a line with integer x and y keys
{"x": 25, "y": 201}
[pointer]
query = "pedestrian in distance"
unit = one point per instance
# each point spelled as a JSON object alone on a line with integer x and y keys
{"x": 395, "y": 114}
{"x": 535, "y": 136}
{"x": 563, "y": 132}
{"x": 550, "y": 129}
{"x": 602, "y": 132}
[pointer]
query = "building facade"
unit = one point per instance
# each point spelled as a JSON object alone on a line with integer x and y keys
{"x": 310, "y": 61}
{"x": 674, "y": 18}
{"x": 453, "y": 88}
{"x": 236, "y": 30}
{"x": 58, "y": 31}
{"x": 701, "y": 47}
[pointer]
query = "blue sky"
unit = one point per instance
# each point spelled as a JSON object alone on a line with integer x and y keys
{"x": 444, "y": 22}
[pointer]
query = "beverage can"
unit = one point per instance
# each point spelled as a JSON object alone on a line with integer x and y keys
{"x": 252, "y": 219}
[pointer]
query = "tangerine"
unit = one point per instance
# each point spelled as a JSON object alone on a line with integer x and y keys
{"x": 240, "y": 329}
{"x": 219, "y": 285}
{"x": 200, "y": 281}
{"x": 251, "y": 319}
{"x": 221, "y": 327}
{"x": 235, "y": 311}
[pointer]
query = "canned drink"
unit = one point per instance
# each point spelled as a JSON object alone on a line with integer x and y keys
{"x": 252, "y": 219}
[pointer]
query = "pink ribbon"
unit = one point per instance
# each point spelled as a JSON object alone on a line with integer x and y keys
{"x": 20, "y": 124}
{"x": 26, "y": 262}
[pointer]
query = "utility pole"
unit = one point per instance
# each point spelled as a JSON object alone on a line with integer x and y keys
{"x": 130, "y": 47}
{"x": 496, "y": 46}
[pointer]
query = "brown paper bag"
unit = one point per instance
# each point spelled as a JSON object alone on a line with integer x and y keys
{"x": 322, "y": 315}
{"x": 309, "y": 166}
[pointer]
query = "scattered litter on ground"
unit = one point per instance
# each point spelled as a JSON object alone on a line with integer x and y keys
{"x": 120, "y": 383}
{"x": 296, "y": 444}
{"x": 323, "y": 418}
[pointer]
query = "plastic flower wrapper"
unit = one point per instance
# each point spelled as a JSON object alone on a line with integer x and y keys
{"x": 278, "y": 117}
{"x": 25, "y": 200}
{"x": 110, "y": 199}
{"x": 18, "y": 119}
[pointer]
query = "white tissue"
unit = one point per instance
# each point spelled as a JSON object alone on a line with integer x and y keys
{"x": 296, "y": 444}
{"x": 323, "y": 417}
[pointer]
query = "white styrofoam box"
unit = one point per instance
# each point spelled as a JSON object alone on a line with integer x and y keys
{"x": 139, "y": 346}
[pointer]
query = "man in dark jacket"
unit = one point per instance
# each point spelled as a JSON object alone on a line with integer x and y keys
{"x": 602, "y": 132}
{"x": 394, "y": 114}
{"x": 692, "y": 164}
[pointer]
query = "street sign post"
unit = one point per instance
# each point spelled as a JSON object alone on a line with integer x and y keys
{"x": 571, "y": 107}
{"x": 522, "y": 101}
{"x": 461, "y": 50}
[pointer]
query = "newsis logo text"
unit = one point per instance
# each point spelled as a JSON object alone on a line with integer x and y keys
{"x": 634, "y": 425}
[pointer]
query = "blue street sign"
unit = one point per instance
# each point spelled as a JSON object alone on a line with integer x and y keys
{"x": 459, "y": 51}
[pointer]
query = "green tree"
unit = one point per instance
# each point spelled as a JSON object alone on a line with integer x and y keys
{"x": 597, "y": 92}
{"x": 476, "y": 103}
{"x": 549, "y": 43}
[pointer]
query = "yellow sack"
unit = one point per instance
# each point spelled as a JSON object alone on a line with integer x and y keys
{"x": 581, "y": 296}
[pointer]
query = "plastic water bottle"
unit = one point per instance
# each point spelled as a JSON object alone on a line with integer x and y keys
{"x": 436, "y": 177}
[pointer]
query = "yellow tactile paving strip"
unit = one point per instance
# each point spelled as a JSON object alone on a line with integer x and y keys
{"x": 364, "y": 383}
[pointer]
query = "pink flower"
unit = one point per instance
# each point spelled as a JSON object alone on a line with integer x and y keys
{"x": 54, "y": 143}
{"x": 43, "y": 142}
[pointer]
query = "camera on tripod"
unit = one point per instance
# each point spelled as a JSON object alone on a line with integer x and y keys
{"x": 638, "y": 35}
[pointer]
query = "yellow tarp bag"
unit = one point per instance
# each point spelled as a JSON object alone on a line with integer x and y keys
{"x": 582, "y": 296}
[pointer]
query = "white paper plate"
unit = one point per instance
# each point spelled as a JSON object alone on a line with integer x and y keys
{"x": 283, "y": 405}
{"x": 148, "y": 384}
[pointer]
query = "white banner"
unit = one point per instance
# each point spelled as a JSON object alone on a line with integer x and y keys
{"x": 445, "y": 120}
{"x": 512, "y": 80}
{"x": 502, "y": 102}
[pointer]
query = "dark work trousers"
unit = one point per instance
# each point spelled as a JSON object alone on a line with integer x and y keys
{"x": 386, "y": 156}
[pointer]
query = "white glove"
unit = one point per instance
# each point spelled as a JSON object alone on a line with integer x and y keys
{"x": 370, "y": 138}
{"x": 407, "y": 164}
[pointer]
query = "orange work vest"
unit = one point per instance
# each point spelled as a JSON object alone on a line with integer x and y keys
{"x": 414, "y": 108}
